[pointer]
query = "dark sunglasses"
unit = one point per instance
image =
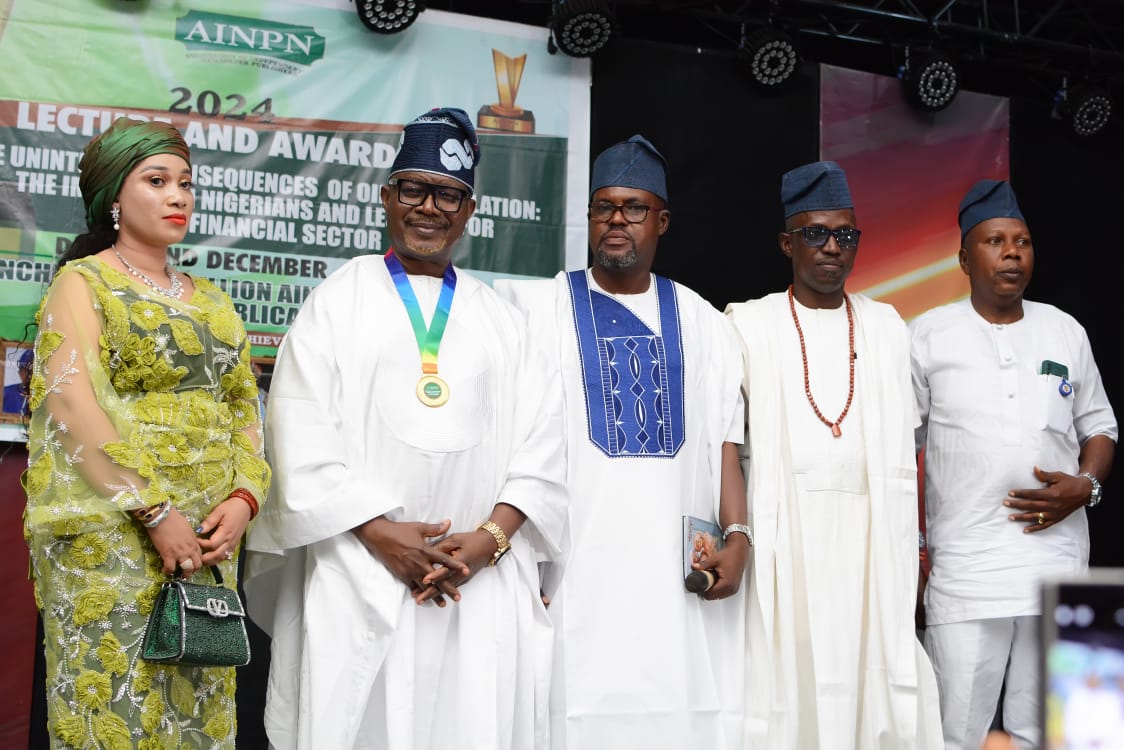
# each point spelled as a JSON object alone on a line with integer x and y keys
{"x": 815, "y": 236}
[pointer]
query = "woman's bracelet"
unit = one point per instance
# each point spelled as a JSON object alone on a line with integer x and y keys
{"x": 247, "y": 497}
{"x": 151, "y": 517}
{"x": 144, "y": 515}
{"x": 159, "y": 516}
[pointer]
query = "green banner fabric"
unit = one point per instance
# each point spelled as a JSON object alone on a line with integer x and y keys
{"x": 293, "y": 112}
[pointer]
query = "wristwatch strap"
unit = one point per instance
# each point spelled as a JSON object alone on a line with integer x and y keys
{"x": 738, "y": 528}
{"x": 502, "y": 543}
{"x": 1095, "y": 494}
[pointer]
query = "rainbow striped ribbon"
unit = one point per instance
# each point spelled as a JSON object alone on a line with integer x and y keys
{"x": 429, "y": 341}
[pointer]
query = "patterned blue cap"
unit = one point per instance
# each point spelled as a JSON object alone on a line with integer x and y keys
{"x": 442, "y": 141}
{"x": 988, "y": 199}
{"x": 634, "y": 163}
{"x": 819, "y": 186}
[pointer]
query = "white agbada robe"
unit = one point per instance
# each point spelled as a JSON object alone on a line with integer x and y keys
{"x": 355, "y": 662}
{"x": 640, "y": 662}
{"x": 832, "y": 659}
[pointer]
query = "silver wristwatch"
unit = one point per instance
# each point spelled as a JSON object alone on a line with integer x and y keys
{"x": 738, "y": 528}
{"x": 1095, "y": 495}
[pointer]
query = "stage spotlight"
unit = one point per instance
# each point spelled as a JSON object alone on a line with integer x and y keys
{"x": 770, "y": 54}
{"x": 1089, "y": 110}
{"x": 1086, "y": 108}
{"x": 579, "y": 27}
{"x": 931, "y": 80}
{"x": 388, "y": 16}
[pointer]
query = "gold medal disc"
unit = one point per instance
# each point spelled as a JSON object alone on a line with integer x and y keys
{"x": 432, "y": 391}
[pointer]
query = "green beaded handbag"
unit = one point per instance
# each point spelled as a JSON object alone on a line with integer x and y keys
{"x": 196, "y": 624}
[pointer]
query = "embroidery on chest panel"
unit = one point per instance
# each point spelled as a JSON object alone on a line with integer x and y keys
{"x": 632, "y": 377}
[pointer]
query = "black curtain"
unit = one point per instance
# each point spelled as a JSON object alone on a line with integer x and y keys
{"x": 727, "y": 145}
{"x": 1071, "y": 193}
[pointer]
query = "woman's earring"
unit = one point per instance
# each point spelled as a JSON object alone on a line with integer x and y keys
{"x": 115, "y": 214}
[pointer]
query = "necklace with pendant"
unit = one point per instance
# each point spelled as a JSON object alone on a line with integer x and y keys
{"x": 835, "y": 430}
{"x": 174, "y": 290}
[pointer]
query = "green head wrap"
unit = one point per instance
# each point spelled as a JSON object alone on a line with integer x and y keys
{"x": 109, "y": 158}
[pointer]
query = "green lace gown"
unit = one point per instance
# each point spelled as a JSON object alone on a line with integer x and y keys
{"x": 135, "y": 398}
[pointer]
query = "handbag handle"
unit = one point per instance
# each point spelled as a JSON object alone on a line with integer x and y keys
{"x": 214, "y": 571}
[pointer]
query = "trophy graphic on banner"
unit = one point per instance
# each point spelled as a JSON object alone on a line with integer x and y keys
{"x": 505, "y": 115}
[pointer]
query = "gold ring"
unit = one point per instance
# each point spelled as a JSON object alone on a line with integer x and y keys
{"x": 187, "y": 564}
{"x": 1041, "y": 519}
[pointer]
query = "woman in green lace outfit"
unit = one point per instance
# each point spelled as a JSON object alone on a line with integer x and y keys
{"x": 145, "y": 453}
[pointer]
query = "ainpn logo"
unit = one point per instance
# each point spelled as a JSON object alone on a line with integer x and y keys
{"x": 212, "y": 32}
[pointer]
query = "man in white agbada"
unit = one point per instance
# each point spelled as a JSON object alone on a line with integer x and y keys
{"x": 1010, "y": 397}
{"x": 386, "y": 433}
{"x": 832, "y": 661}
{"x": 653, "y": 414}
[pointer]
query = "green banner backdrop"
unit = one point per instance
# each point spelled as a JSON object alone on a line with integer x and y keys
{"x": 293, "y": 112}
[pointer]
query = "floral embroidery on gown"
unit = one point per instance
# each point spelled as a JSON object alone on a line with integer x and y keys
{"x": 136, "y": 398}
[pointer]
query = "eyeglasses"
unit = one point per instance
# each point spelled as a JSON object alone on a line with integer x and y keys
{"x": 633, "y": 213}
{"x": 445, "y": 198}
{"x": 815, "y": 236}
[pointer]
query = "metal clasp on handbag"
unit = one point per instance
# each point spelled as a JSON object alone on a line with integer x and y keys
{"x": 217, "y": 607}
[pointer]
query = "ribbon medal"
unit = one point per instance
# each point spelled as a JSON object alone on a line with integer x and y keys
{"x": 431, "y": 389}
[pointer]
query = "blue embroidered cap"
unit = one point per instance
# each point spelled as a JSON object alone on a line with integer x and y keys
{"x": 819, "y": 186}
{"x": 634, "y": 163}
{"x": 988, "y": 199}
{"x": 442, "y": 141}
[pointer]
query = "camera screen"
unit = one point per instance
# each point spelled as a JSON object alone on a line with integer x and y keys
{"x": 1083, "y": 626}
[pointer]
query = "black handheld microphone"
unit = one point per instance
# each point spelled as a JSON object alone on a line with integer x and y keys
{"x": 700, "y": 581}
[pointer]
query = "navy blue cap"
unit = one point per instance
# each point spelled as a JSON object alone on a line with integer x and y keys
{"x": 634, "y": 163}
{"x": 442, "y": 141}
{"x": 988, "y": 199}
{"x": 819, "y": 186}
{"x": 25, "y": 358}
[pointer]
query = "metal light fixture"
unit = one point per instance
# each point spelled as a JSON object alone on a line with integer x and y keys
{"x": 1086, "y": 108}
{"x": 770, "y": 54}
{"x": 579, "y": 27}
{"x": 1092, "y": 109}
{"x": 388, "y": 16}
{"x": 931, "y": 80}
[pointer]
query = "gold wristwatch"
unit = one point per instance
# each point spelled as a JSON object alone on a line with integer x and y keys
{"x": 502, "y": 544}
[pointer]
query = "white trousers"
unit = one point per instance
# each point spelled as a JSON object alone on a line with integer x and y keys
{"x": 972, "y": 661}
